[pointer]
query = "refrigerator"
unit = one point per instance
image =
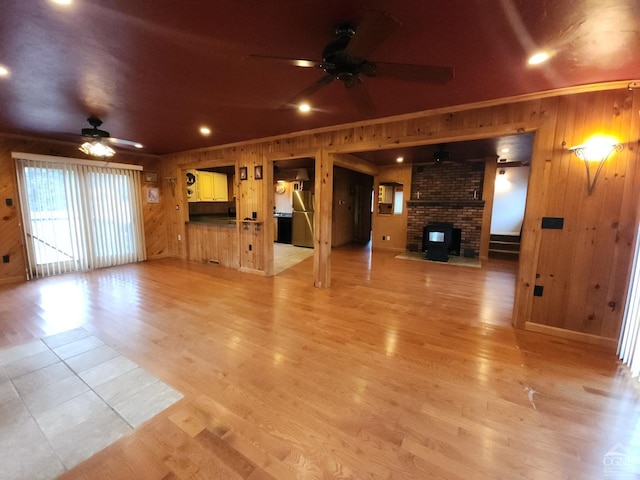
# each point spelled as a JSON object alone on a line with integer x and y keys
{"x": 302, "y": 218}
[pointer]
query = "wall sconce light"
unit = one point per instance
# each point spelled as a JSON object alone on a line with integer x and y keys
{"x": 594, "y": 152}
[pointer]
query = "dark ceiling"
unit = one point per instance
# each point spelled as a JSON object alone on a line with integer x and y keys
{"x": 156, "y": 70}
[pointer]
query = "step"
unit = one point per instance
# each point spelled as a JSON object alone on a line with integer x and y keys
{"x": 512, "y": 247}
{"x": 505, "y": 238}
{"x": 504, "y": 254}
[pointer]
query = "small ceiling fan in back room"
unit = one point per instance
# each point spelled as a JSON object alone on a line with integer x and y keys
{"x": 345, "y": 58}
{"x": 96, "y": 140}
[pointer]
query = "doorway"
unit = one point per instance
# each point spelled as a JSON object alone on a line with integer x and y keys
{"x": 293, "y": 212}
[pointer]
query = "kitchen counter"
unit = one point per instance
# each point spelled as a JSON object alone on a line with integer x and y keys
{"x": 215, "y": 220}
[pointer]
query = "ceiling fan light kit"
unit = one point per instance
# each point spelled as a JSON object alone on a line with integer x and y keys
{"x": 95, "y": 145}
{"x": 97, "y": 149}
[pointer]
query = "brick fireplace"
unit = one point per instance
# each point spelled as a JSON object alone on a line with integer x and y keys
{"x": 447, "y": 192}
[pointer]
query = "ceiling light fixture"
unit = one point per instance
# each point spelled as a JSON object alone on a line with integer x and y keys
{"x": 595, "y": 151}
{"x": 505, "y": 150}
{"x": 400, "y": 159}
{"x": 502, "y": 183}
{"x": 304, "y": 107}
{"x": 302, "y": 175}
{"x": 205, "y": 131}
{"x": 4, "y": 71}
{"x": 96, "y": 148}
{"x": 63, "y": 2}
{"x": 538, "y": 58}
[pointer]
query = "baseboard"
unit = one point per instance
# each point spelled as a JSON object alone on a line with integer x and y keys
{"x": 12, "y": 280}
{"x": 162, "y": 255}
{"x": 571, "y": 335}
{"x": 253, "y": 271}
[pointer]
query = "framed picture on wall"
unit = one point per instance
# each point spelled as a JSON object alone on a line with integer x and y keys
{"x": 151, "y": 177}
{"x": 257, "y": 172}
{"x": 243, "y": 173}
{"x": 153, "y": 195}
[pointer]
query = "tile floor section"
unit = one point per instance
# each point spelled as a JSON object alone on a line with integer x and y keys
{"x": 64, "y": 398}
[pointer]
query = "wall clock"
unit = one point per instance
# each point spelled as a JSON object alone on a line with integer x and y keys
{"x": 280, "y": 188}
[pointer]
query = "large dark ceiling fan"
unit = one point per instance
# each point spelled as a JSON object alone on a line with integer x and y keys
{"x": 345, "y": 59}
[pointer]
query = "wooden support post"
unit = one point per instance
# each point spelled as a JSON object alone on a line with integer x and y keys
{"x": 268, "y": 230}
{"x": 323, "y": 206}
{"x": 488, "y": 190}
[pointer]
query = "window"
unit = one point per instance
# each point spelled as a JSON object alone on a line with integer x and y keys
{"x": 78, "y": 215}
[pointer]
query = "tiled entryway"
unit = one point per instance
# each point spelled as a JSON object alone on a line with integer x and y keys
{"x": 65, "y": 397}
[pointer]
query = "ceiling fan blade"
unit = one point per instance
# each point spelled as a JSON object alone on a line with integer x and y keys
{"x": 123, "y": 143}
{"x": 411, "y": 73}
{"x": 360, "y": 98}
{"x": 296, "y": 62}
{"x": 372, "y": 31}
{"x": 307, "y": 92}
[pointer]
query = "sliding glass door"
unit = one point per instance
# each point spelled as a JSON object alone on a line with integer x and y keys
{"x": 78, "y": 215}
{"x": 629, "y": 345}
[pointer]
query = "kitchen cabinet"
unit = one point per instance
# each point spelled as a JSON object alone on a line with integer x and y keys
{"x": 385, "y": 194}
{"x": 204, "y": 186}
{"x": 211, "y": 187}
{"x": 220, "y": 187}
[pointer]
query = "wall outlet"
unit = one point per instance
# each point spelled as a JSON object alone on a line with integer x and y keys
{"x": 250, "y": 247}
{"x": 179, "y": 237}
{"x": 8, "y": 202}
{"x": 388, "y": 237}
{"x": 5, "y": 259}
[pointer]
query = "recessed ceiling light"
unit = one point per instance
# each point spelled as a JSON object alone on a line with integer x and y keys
{"x": 400, "y": 159}
{"x": 205, "y": 131}
{"x": 505, "y": 150}
{"x": 538, "y": 58}
{"x": 63, "y": 2}
{"x": 138, "y": 145}
{"x": 4, "y": 71}
{"x": 304, "y": 107}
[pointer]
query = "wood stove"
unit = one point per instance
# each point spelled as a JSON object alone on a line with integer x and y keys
{"x": 439, "y": 239}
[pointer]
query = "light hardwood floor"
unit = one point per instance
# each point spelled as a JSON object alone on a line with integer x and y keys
{"x": 402, "y": 369}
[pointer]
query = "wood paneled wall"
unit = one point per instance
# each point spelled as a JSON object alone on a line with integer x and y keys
{"x": 213, "y": 244}
{"x": 584, "y": 267}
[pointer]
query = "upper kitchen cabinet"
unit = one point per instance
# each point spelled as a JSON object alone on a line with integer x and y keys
{"x": 203, "y": 186}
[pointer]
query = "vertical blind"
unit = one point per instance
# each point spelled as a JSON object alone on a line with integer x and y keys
{"x": 629, "y": 346}
{"x": 79, "y": 215}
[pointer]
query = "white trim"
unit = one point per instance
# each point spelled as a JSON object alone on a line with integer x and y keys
{"x": 75, "y": 161}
